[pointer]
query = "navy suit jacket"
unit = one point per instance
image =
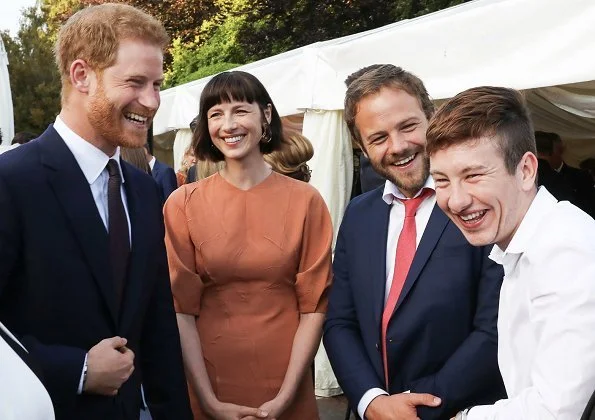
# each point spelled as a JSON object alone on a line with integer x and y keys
{"x": 165, "y": 178}
{"x": 56, "y": 290}
{"x": 442, "y": 337}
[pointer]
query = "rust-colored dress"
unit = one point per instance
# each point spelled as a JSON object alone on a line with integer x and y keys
{"x": 247, "y": 263}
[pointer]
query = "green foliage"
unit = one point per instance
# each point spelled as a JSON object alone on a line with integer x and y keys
{"x": 34, "y": 79}
{"x": 208, "y": 36}
{"x": 221, "y": 51}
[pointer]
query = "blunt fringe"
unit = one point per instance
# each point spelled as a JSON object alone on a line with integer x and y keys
{"x": 227, "y": 87}
{"x": 497, "y": 113}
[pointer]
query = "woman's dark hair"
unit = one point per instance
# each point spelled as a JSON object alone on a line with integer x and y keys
{"x": 227, "y": 87}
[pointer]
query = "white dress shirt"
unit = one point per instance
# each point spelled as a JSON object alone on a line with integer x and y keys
{"x": 22, "y": 396}
{"x": 546, "y": 321}
{"x": 152, "y": 162}
{"x": 392, "y": 197}
{"x": 93, "y": 162}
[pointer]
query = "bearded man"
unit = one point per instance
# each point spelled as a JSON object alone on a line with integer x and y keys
{"x": 411, "y": 324}
{"x": 83, "y": 273}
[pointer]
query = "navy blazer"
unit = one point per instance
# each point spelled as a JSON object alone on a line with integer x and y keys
{"x": 165, "y": 178}
{"x": 442, "y": 337}
{"x": 56, "y": 290}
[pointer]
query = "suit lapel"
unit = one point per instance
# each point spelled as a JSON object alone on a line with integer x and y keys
{"x": 376, "y": 248}
{"x": 436, "y": 225}
{"x": 156, "y": 169}
{"x": 139, "y": 253}
{"x": 74, "y": 195}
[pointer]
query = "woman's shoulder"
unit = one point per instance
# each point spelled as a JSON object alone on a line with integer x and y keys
{"x": 296, "y": 186}
{"x": 183, "y": 194}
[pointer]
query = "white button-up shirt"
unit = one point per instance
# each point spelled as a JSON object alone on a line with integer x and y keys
{"x": 93, "y": 162}
{"x": 546, "y": 320}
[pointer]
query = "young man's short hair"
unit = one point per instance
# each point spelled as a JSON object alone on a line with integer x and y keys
{"x": 370, "y": 80}
{"x": 498, "y": 113}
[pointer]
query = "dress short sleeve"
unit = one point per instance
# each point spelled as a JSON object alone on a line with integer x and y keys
{"x": 314, "y": 273}
{"x": 186, "y": 284}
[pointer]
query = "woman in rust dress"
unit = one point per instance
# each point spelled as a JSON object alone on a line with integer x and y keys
{"x": 250, "y": 263}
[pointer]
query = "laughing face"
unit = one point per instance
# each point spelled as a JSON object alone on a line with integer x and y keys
{"x": 475, "y": 190}
{"x": 125, "y": 97}
{"x": 392, "y": 126}
{"x": 236, "y": 128}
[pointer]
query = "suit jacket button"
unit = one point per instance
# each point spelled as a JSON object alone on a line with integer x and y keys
{"x": 377, "y": 346}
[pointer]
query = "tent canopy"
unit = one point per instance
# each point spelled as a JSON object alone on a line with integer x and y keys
{"x": 6, "y": 112}
{"x": 524, "y": 44}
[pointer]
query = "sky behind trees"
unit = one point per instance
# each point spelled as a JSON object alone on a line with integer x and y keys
{"x": 11, "y": 13}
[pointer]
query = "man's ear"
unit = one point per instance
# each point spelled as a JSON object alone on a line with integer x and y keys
{"x": 80, "y": 75}
{"x": 527, "y": 170}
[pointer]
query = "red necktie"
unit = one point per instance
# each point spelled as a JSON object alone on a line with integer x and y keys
{"x": 406, "y": 247}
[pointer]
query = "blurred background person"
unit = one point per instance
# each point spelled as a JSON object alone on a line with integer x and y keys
{"x": 23, "y": 137}
{"x": 203, "y": 169}
{"x": 588, "y": 165}
{"x": 187, "y": 162}
{"x": 250, "y": 296}
{"x": 291, "y": 159}
{"x": 163, "y": 174}
{"x": 546, "y": 175}
{"x": 136, "y": 157}
{"x": 579, "y": 181}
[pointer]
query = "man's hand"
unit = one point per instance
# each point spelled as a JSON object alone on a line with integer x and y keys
{"x": 109, "y": 364}
{"x": 399, "y": 406}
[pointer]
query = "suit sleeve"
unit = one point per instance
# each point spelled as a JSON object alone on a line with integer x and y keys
{"x": 61, "y": 366}
{"x": 169, "y": 182}
{"x": 163, "y": 373}
{"x": 471, "y": 374}
{"x": 342, "y": 338}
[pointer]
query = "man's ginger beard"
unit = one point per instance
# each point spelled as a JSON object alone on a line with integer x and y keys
{"x": 108, "y": 121}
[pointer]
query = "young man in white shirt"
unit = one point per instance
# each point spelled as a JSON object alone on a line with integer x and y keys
{"x": 482, "y": 153}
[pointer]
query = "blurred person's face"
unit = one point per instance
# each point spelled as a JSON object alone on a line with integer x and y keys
{"x": 236, "y": 128}
{"x": 556, "y": 157}
{"x": 125, "y": 97}
{"x": 392, "y": 126}
{"x": 478, "y": 194}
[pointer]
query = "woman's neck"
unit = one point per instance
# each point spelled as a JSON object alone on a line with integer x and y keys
{"x": 246, "y": 173}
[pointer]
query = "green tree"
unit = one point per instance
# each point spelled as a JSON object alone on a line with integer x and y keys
{"x": 248, "y": 30}
{"x": 275, "y": 26}
{"x": 34, "y": 79}
{"x": 181, "y": 18}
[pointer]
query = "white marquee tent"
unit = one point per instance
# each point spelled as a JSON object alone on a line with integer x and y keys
{"x": 544, "y": 47}
{"x": 6, "y": 116}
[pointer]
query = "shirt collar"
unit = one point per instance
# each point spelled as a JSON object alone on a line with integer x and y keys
{"x": 152, "y": 162}
{"x": 391, "y": 191}
{"x": 91, "y": 160}
{"x": 541, "y": 205}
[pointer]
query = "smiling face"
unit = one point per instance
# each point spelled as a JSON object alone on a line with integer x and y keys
{"x": 475, "y": 190}
{"x": 236, "y": 128}
{"x": 124, "y": 98}
{"x": 392, "y": 127}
